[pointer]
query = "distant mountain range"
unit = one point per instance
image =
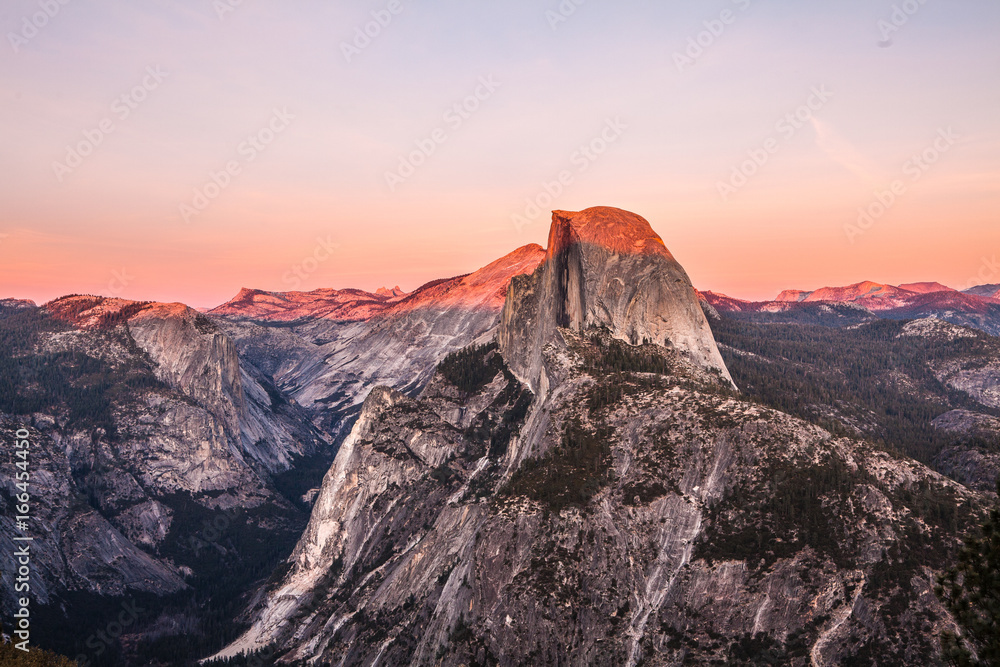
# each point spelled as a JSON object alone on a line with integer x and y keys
{"x": 909, "y": 299}
{"x": 978, "y": 307}
{"x": 483, "y": 290}
{"x": 883, "y": 297}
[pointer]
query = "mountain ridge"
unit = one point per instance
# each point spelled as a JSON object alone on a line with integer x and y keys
{"x": 351, "y": 304}
{"x": 848, "y": 305}
{"x": 636, "y": 511}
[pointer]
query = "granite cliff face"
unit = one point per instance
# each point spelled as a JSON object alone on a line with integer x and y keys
{"x": 145, "y": 426}
{"x": 604, "y": 267}
{"x": 82, "y": 549}
{"x": 603, "y": 502}
{"x": 193, "y": 356}
{"x": 190, "y": 354}
{"x": 328, "y": 359}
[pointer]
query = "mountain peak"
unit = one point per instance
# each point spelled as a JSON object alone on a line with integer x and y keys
{"x": 618, "y": 231}
{"x": 247, "y": 295}
{"x": 868, "y": 293}
{"x": 925, "y": 288}
{"x": 604, "y": 267}
{"x": 17, "y": 303}
{"x": 793, "y": 295}
{"x": 988, "y": 291}
{"x": 385, "y": 291}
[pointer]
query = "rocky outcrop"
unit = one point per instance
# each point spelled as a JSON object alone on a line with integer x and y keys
{"x": 604, "y": 267}
{"x": 193, "y": 355}
{"x": 974, "y": 459}
{"x": 631, "y": 511}
{"x": 145, "y": 425}
{"x": 75, "y": 547}
{"x": 385, "y": 291}
{"x": 329, "y": 365}
{"x": 968, "y": 423}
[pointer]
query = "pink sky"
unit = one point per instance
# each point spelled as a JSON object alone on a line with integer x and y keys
{"x": 672, "y": 131}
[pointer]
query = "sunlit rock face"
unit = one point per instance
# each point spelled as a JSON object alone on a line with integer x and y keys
{"x": 604, "y": 267}
{"x": 328, "y": 348}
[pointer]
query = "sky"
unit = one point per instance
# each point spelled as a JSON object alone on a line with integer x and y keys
{"x": 180, "y": 150}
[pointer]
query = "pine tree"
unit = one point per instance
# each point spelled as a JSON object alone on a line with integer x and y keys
{"x": 13, "y": 657}
{"x": 971, "y": 592}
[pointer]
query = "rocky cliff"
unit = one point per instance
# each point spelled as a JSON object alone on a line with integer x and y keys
{"x": 604, "y": 267}
{"x": 145, "y": 428}
{"x": 630, "y": 510}
{"x": 328, "y": 360}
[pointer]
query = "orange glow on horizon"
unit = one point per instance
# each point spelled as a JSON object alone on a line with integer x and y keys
{"x": 755, "y": 181}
